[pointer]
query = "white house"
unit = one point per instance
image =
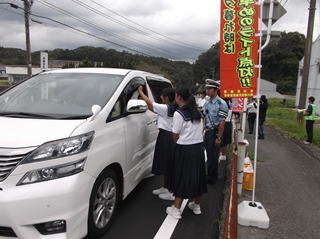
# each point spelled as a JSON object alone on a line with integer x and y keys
{"x": 15, "y": 74}
{"x": 313, "y": 88}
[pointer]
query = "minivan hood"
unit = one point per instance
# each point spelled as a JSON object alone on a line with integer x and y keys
{"x": 22, "y": 132}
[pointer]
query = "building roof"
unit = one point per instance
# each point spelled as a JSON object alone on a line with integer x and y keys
{"x": 269, "y": 89}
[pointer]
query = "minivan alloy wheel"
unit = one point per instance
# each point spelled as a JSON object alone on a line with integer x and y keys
{"x": 103, "y": 203}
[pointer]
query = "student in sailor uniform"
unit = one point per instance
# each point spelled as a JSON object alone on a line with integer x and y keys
{"x": 215, "y": 111}
{"x": 163, "y": 153}
{"x": 188, "y": 177}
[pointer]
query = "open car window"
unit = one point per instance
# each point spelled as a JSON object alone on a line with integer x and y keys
{"x": 156, "y": 86}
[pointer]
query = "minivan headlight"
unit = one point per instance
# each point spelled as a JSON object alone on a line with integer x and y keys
{"x": 60, "y": 148}
{"x": 53, "y": 172}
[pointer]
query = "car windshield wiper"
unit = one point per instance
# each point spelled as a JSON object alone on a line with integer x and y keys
{"x": 26, "y": 115}
{"x": 75, "y": 117}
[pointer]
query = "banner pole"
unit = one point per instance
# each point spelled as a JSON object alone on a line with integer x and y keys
{"x": 253, "y": 213}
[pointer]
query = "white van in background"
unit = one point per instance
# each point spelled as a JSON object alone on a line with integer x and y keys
{"x": 73, "y": 142}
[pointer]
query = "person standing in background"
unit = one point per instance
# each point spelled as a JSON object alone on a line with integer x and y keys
{"x": 188, "y": 177}
{"x": 163, "y": 152}
{"x": 252, "y": 114}
{"x": 263, "y": 107}
{"x": 202, "y": 100}
{"x": 310, "y": 117}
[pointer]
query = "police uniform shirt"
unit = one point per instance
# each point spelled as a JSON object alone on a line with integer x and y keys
{"x": 164, "y": 120}
{"x": 189, "y": 133}
{"x": 215, "y": 111}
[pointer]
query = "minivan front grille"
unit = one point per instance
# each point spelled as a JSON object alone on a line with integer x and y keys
{"x": 8, "y": 163}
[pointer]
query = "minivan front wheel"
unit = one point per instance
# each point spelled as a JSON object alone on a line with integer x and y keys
{"x": 103, "y": 203}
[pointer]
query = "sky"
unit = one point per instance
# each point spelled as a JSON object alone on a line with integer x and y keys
{"x": 173, "y": 29}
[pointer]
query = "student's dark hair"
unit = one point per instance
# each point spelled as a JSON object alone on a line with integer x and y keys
{"x": 228, "y": 102}
{"x": 312, "y": 99}
{"x": 204, "y": 93}
{"x": 170, "y": 92}
{"x": 185, "y": 93}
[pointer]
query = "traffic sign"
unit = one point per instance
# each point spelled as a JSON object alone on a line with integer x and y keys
{"x": 278, "y": 11}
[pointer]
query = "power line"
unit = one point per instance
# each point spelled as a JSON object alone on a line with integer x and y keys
{"x": 189, "y": 46}
{"x": 89, "y": 34}
{"x": 83, "y": 32}
{"x": 67, "y": 13}
{"x": 152, "y": 16}
{"x": 128, "y": 26}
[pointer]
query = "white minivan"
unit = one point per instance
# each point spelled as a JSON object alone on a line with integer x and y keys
{"x": 73, "y": 142}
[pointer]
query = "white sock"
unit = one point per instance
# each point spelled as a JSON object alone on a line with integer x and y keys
{"x": 176, "y": 209}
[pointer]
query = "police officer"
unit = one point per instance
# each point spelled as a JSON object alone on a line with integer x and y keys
{"x": 215, "y": 111}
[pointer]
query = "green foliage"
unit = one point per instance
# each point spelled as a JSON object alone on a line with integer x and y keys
{"x": 280, "y": 61}
{"x": 4, "y": 83}
{"x": 208, "y": 65}
{"x": 178, "y": 72}
{"x": 12, "y": 56}
{"x": 284, "y": 118}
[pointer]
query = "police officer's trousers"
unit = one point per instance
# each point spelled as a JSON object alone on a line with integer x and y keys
{"x": 212, "y": 155}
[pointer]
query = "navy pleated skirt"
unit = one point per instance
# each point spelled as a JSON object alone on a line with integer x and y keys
{"x": 187, "y": 178}
{"x": 227, "y": 134}
{"x": 163, "y": 153}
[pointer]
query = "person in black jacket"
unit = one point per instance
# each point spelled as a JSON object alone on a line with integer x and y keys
{"x": 263, "y": 107}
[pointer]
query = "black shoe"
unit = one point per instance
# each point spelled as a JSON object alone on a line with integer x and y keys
{"x": 250, "y": 132}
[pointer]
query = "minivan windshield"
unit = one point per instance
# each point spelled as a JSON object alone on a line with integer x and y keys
{"x": 59, "y": 95}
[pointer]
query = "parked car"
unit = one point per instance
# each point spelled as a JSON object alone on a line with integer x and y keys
{"x": 73, "y": 142}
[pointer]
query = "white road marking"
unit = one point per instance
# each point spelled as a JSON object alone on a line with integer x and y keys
{"x": 169, "y": 224}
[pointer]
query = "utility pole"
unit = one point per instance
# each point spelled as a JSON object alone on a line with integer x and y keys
{"x": 306, "y": 62}
{"x": 27, "y": 6}
{"x": 213, "y": 71}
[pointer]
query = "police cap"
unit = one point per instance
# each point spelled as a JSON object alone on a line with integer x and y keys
{"x": 212, "y": 83}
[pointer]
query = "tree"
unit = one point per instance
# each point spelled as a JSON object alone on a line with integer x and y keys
{"x": 208, "y": 65}
{"x": 280, "y": 61}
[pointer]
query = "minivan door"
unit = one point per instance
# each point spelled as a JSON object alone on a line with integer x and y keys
{"x": 140, "y": 137}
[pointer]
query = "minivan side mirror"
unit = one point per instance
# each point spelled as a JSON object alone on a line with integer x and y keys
{"x": 137, "y": 106}
{"x": 95, "y": 110}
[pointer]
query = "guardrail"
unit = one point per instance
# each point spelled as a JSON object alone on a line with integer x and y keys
{"x": 231, "y": 215}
